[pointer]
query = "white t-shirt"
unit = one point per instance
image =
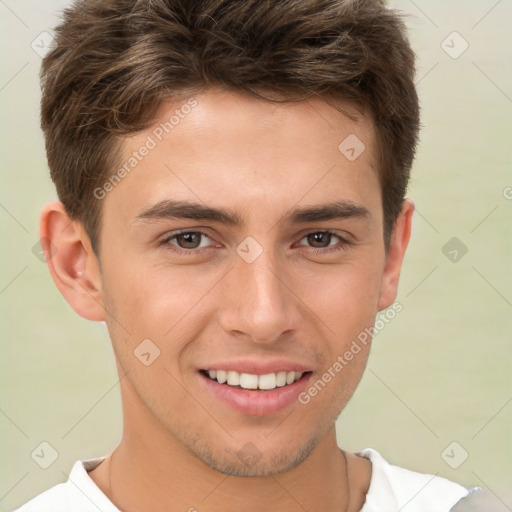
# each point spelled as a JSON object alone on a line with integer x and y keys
{"x": 392, "y": 489}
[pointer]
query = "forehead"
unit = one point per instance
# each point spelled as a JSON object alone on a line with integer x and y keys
{"x": 223, "y": 114}
{"x": 220, "y": 145}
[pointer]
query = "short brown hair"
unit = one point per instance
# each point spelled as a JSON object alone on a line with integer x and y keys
{"x": 115, "y": 61}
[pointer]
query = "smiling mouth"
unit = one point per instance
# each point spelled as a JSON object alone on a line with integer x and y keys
{"x": 251, "y": 381}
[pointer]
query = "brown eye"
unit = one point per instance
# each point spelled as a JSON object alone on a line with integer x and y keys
{"x": 187, "y": 242}
{"x": 319, "y": 239}
{"x": 322, "y": 241}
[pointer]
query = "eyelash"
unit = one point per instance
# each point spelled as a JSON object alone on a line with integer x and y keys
{"x": 194, "y": 252}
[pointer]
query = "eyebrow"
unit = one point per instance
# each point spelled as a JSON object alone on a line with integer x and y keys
{"x": 172, "y": 209}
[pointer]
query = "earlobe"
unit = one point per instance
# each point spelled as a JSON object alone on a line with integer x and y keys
{"x": 72, "y": 263}
{"x": 393, "y": 265}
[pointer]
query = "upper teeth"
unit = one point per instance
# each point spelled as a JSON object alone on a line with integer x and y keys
{"x": 252, "y": 381}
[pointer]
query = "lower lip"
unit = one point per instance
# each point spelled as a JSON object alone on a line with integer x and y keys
{"x": 257, "y": 403}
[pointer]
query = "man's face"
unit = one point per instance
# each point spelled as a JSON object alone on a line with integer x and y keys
{"x": 265, "y": 295}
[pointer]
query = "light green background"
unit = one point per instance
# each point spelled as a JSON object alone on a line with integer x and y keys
{"x": 440, "y": 372}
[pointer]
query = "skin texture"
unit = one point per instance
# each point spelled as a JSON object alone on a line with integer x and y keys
{"x": 181, "y": 446}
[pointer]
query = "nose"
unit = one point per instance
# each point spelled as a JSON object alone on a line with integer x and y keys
{"x": 259, "y": 302}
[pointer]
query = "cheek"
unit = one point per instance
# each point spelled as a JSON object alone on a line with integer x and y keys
{"x": 346, "y": 296}
{"x": 146, "y": 297}
{"x": 333, "y": 387}
{"x": 157, "y": 303}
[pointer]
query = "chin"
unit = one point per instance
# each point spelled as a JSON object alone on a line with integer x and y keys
{"x": 250, "y": 461}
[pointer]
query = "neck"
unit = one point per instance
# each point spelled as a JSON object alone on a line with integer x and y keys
{"x": 151, "y": 470}
{"x": 141, "y": 480}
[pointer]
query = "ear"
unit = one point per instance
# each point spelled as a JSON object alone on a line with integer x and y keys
{"x": 72, "y": 263}
{"x": 395, "y": 255}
